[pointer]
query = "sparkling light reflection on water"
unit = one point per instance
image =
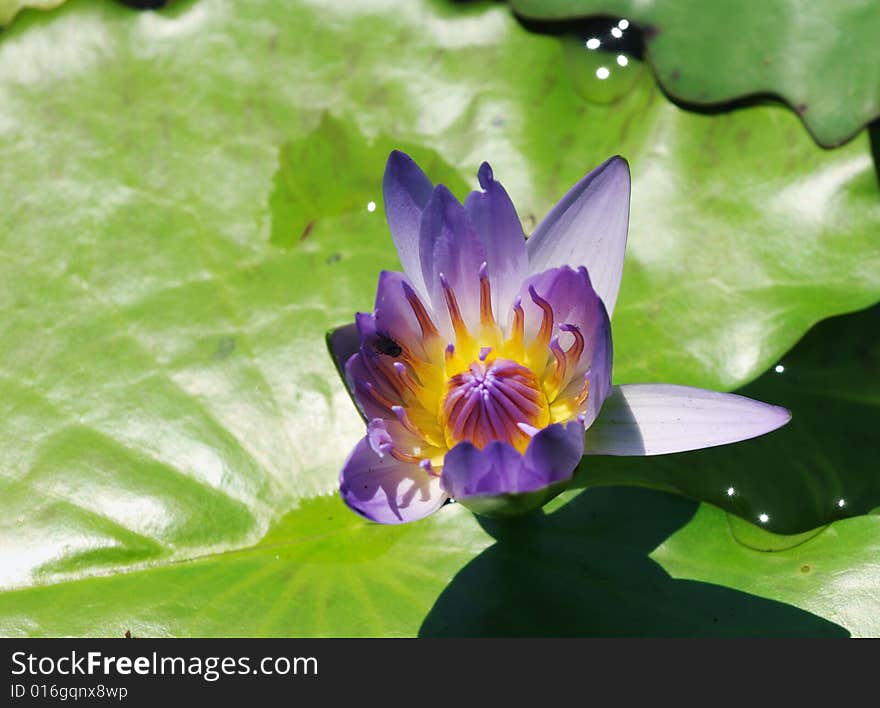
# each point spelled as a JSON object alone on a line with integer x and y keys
{"x": 602, "y": 56}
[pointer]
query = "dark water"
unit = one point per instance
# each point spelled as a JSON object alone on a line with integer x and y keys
{"x": 602, "y": 55}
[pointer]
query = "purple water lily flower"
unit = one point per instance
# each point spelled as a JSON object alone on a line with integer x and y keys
{"x": 484, "y": 371}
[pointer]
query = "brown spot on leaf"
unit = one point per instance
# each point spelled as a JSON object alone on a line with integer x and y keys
{"x": 307, "y": 230}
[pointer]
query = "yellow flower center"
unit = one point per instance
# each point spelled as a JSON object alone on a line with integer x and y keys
{"x": 492, "y": 385}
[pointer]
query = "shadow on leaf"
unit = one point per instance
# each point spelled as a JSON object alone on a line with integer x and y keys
{"x": 808, "y": 474}
{"x": 584, "y": 570}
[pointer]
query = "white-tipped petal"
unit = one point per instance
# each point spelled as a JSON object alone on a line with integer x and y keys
{"x": 406, "y": 191}
{"x": 588, "y": 227}
{"x": 656, "y": 419}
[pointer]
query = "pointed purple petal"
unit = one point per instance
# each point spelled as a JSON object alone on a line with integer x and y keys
{"x": 498, "y": 468}
{"x": 588, "y": 227}
{"x": 385, "y": 490}
{"x": 449, "y": 245}
{"x": 494, "y": 217}
{"x": 656, "y": 419}
{"x": 406, "y": 191}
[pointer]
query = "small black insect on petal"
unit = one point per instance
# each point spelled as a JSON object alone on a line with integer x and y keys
{"x": 386, "y": 345}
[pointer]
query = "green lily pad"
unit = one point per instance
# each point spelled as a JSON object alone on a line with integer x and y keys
{"x": 833, "y": 575}
{"x": 585, "y": 569}
{"x": 10, "y": 8}
{"x": 174, "y": 257}
{"x": 321, "y": 571}
{"x": 711, "y": 53}
{"x": 811, "y": 472}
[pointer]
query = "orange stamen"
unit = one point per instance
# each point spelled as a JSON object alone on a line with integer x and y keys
{"x": 378, "y": 396}
{"x": 429, "y": 330}
{"x": 543, "y": 336}
{"x": 516, "y": 333}
{"x": 406, "y": 422}
{"x": 407, "y": 380}
{"x": 422, "y": 395}
{"x": 574, "y": 352}
{"x": 584, "y": 394}
{"x": 487, "y": 317}
{"x": 553, "y": 382}
{"x": 449, "y": 354}
{"x": 461, "y": 330}
{"x": 403, "y": 456}
{"x": 536, "y": 352}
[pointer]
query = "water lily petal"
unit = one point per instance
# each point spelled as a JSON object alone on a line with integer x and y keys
{"x": 391, "y": 437}
{"x": 370, "y": 375}
{"x": 451, "y": 255}
{"x": 575, "y": 304}
{"x": 494, "y": 217}
{"x": 599, "y": 375}
{"x": 396, "y": 321}
{"x": 385, "y": 490}
{"x": 588, "y": 227}
{"x": 406, "y": 190}
{"x": 359, "y": 381}
{"x": 555, "y": 451}
{"x": 655, "y": 419}
{"x": 498, "y": 468}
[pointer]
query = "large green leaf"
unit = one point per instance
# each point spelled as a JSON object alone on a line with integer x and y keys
{"x": 320, "y": 571}
{"x": 708, "y": 53}
{"x": 817, "y": 468}
{"x": 174, "y": 251}
{"x": 581, "y": 570}
{"x": 10, "y": 8}
{"x": 834, "y": 574}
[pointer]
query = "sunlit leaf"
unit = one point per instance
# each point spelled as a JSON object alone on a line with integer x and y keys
{"x": 816, "y": 469}
{"x": 10, "y": 8}
{"x": 175, "y": 251}
{"x": 709, "y": 53}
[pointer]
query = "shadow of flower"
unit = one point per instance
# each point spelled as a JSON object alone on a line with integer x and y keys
{"x": 584, "y": 570}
